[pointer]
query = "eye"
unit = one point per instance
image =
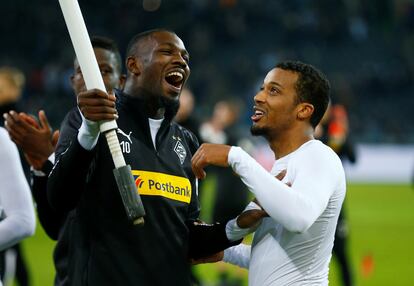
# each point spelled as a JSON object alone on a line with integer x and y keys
{"x": 166, "y": 52}
{"x": 105, "y": 71}
{"x": 273, "y": 90}
{"x": 186, "y": 58}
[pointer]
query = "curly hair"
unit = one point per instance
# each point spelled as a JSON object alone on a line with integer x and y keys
{"x": 312, "y": 87}
{"x": 109, "y": 45}
{"x": 133, "y": 47}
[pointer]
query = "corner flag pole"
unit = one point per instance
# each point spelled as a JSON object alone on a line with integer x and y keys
{"x": 93, "y": 79}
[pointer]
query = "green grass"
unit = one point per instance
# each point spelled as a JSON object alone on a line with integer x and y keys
{"x": 381, "y": 221}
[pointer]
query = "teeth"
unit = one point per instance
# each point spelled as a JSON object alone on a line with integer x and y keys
{"x": 175, "y": 74}
{"x": 258, "y": 112}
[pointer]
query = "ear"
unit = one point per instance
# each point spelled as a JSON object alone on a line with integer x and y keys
{"x": 305, "y": 111}
{"x": 122, "y": 80}
{"x": 134, "y": 65}
{"x": 72, "y": 81}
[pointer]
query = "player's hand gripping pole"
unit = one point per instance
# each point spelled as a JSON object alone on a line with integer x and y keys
{"x": 93, "y": 79}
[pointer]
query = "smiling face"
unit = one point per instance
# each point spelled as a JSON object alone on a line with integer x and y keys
{"x": 276, "y": 104}
{"x": 164, "y": 65}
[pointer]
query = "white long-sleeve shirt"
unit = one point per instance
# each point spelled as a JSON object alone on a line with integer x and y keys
{"x": 293, "y": 246}
{"x": 15, "y": 198}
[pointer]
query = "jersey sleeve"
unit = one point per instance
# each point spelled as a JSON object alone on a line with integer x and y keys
{"x": 68, "y": 131}
{"x": 296, "y": 207}
{"x": 238, "y": 255}
{"x": 18, "y": 220}
{"x": 67, "y": 179}
{"x": 50, "y": 219}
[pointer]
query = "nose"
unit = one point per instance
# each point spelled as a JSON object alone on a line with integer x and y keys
{"x": 259, "y": 97}
{"x": 178, "y": 59}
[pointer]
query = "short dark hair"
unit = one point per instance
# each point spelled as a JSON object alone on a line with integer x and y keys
{"x": 109, "y": 45}
{"x": 312, "y": 86}
{"x": 133, "y": 45}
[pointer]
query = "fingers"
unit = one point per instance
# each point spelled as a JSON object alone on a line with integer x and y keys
{"x": 97, "y": 105}
{"x": 29, "y": 119}
{"x": 209, "y": 259}
{"x": 82, "y": 102}
{"x": 17, "y": 122}
{"x": 209, "y": 154}
{"x": 16, "y": 127}
{"x": 96, "y": 97}
{"x": 55, "y": 138}
{"x": 198, "y": 163}
{"x": 250, "y": 218}
{"x": 16, "y": 137}
{"x": 11, "y": 121}
{"x": 44, "y": 123}
{"x": 281, "y": 175}
{"x": 99, "y": 113}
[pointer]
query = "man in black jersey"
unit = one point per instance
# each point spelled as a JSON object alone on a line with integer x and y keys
{"x": 110, "y": 250}
{"x": 38, "y": 144}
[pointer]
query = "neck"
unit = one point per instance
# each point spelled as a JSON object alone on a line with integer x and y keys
{"x": 151, "y": 101}
{"x": 289, "y": 141}
{"x": 130, "y": 86}
{"x": 158, "y": 114}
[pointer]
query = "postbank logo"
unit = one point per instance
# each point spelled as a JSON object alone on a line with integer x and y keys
{"x": 160, "y": 184}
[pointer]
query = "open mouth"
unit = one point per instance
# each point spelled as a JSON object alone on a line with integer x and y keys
{"x": 175, "y": 79}
{"x": 257, "y": 114}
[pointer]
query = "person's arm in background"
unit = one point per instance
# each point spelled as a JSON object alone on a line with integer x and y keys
{"x": 53, "y": 226}
{"x": 19, "y": 219}
{"x": 237, "y": 255}
{"x": 204, "y": 239}
{"x": 36, "y": 139}
{"x": 38, "y": 143}
{"x": 68, "y": 178}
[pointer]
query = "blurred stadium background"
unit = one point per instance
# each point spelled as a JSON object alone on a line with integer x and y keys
{"x": 365, "y": 47}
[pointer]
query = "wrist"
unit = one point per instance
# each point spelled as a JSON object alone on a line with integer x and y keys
{"x": 88, "y": 134}
{"x": 37, "y": 172}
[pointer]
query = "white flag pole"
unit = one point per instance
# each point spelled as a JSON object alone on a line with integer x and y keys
{"x": 93, "y": 79}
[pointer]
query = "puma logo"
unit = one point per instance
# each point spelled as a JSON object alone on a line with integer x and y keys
{"x": 123, "y": 133}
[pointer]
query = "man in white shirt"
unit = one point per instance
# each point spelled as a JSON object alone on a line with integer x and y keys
{"x": 293, "y": 245}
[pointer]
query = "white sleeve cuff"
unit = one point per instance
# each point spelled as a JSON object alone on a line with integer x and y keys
{"x": 52, "y": 158}
{"x": 88, "y": 134}
{"x": 37, "y": 173}
{"x": 238, "y": 255}
{"x": 234, "y": 232}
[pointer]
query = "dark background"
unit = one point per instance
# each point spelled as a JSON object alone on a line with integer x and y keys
{"x": 365, "y": 47}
